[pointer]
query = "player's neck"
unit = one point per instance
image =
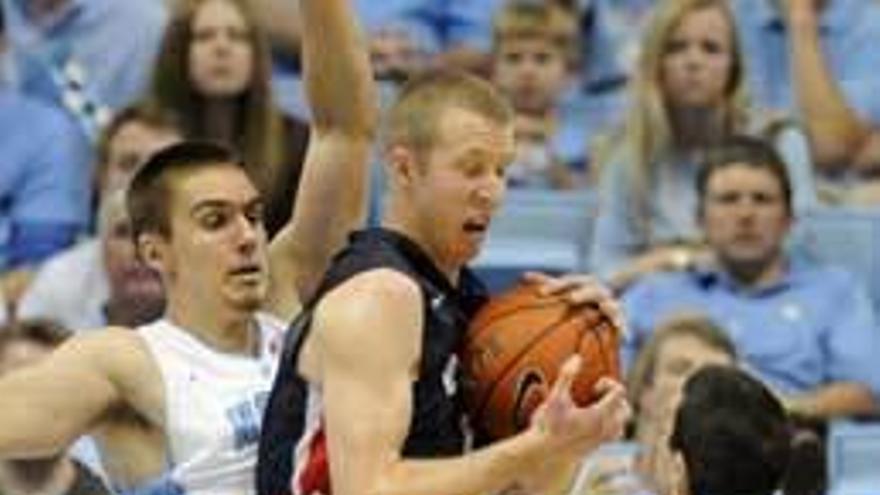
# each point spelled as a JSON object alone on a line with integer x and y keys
{"x": 408, "y": 227}
{"x": 226, "y": 330}
{"x": 37, "y": 477}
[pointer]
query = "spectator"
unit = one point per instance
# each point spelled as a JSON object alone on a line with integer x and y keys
{"x": 808, "y": 331}
{"x": 23, "y": 344}
{"x": 43, "y": 191}
{"x": 100, "y": 282}
{"x": 214, "y": 72}
{"x": 688, "y": 93}
{"x": 675, "y": 351}
{"x": 845, "y": 143}
{"x": 129, "y": 139}
{"x": 87, "y": 56}
{"x": 532, "y": 56}
{"x": 845, "y": 31}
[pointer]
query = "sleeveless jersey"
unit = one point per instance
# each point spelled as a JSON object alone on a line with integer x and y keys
{"x": 292, "y": 458}
{"x": 214, "y": 405}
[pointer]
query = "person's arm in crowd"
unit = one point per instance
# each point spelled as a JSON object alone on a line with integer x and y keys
{"x": 332, "y": 199}
{"x": 620, "y": 254}
{"x": 45, "y": 407}
{"x": 852, "y": 344}
{"x": 838, "y": 136}
{"x": 833, "y": 400}
{"x": 367, "y": 373}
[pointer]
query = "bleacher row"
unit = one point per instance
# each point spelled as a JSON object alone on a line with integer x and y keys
{"x": 551, "y": 231}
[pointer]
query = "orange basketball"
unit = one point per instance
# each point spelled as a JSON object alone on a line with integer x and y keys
{"x": 513, "y": 351}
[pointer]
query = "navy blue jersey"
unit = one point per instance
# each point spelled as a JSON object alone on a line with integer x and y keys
{"x": 292, "y": 454}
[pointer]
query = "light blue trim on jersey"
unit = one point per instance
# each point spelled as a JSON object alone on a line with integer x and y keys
{"x": 163, "y": 485}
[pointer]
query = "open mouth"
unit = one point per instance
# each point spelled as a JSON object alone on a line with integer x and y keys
{"x": 477, "y": 226}
{"x": 246, "y": 270}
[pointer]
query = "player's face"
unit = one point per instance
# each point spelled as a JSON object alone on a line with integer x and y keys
{"x": 745, "y": 219}
{"x": 218, "y": 242}
{"x": 220, "y": 53}
{"x": 698, "y": 60}
{"x": 462, "y": 184}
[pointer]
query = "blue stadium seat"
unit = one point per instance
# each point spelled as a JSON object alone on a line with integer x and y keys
{"x": 848, "y": 237}
{"x": 854, "y": 458}
{"x": 537, "y": 230}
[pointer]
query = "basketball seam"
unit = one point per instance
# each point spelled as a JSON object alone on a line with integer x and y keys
{"x": 550, "y": 301}
{"x": 525, "y": 349}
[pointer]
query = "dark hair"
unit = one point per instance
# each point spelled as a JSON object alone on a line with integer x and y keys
{"x": 46, "y": 333}
{"x": 733, "y": 433}
{"x": 149, "y": 194}
{"x": 750, "y": 151}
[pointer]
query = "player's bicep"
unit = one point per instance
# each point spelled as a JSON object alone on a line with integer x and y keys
{"x": 370, "y": 338}
{"x": 44, "y": 407}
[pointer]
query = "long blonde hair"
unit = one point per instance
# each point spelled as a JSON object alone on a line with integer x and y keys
{"x": 647, "y": 134}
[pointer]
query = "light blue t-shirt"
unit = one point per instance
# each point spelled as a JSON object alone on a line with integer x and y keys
{"x": 44, "y": 187}
{"x": 103, "y": 49}
{"x": 813, "y": 327}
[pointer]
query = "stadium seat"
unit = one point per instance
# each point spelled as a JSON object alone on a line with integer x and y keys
{"x": 537, "y": 230}
{"x": 848, "y": 237}
{"x": 854, "y": 458}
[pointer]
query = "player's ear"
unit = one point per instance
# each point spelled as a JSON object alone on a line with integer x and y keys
{"x": 149, "y": 250}
{"x": 401, "y": 164}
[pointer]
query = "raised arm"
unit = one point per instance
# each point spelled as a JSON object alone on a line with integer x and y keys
{"x": 333, "y": 194}
{"x": 45, "y": 407}
{"x": 367, "y": 373}
{"x": 837, "y": 134}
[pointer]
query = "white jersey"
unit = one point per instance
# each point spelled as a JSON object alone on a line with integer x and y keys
{"x": 214, "y": 405}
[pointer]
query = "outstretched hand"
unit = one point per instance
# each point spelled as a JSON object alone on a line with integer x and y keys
{"x": 575, "y": 430}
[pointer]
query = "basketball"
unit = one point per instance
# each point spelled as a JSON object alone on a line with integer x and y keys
{"x": 514, "y": 348}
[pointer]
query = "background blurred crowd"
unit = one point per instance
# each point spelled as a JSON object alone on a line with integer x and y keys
{"x": 629, "y": 101}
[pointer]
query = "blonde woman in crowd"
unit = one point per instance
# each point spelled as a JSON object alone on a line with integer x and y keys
{"x": 688, "y": 93}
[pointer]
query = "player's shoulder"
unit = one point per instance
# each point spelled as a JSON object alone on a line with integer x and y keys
{"x": 118, "y": 351}
{"x": 377, "y": 286}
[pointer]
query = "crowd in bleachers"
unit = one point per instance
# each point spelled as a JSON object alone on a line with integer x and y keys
{"x": 626, "y": 105}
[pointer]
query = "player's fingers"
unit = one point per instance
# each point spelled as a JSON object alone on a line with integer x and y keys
{"x": 548, "y": 285}
{"x": 567, "y": 373}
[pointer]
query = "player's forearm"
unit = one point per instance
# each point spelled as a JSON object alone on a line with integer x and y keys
{"x": 835, "y": 130}
{"x": 834, "y": 400}
{"x": 488, "y": 470}
{"x": 338, "y": 78}
{"x": 281, "y": 21}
